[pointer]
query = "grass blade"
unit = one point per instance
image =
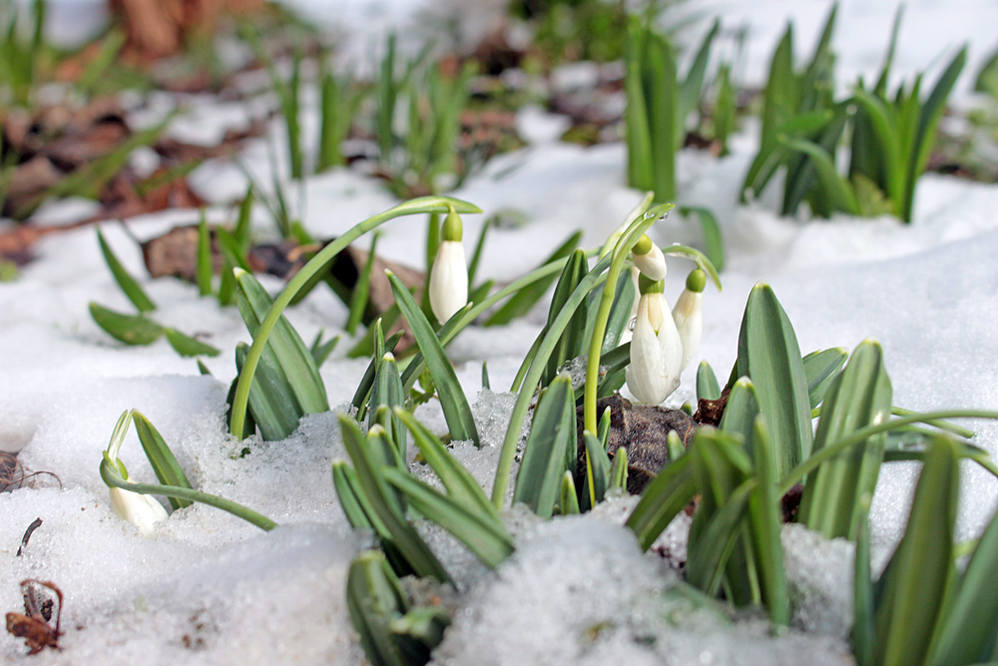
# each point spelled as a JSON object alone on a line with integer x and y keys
{"x": 185, "y": 345}
{"x": 858, "y": 397}
{"x": 164, "y": 463}
{"x": 668, "y": 494}
{"x": 769, "y": 355}
{"x": 820, "y": 368}
{"x": 916, "y": 579}
{"x": 130, "y": 329}
{"x": 370, "y": 475}
{"x": 707, "y": 386}
{"x": 129, "y": 285}
{"x": 460, "y": 485}
{"x": 552, "y": 435}
{"x": 204, "y": 268}
{"x": 457, "y": 413}
{"x": 292, "y": 356}
{"x": 487, "y": 539}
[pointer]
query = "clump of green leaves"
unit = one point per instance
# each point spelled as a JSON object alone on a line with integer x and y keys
{"x": 892, "y": 134}
{"x": 19, "y": 57}
{"x": 418, "y": 155}
{"x": 658, "y": 104}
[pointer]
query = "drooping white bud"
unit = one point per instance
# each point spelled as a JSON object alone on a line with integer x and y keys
{"x": 688, "y": 315}
{"x": 143, "y": 511}
{"x": 449, "y": 276}
{"x": 448, "y": 280}
{"x": 140, "y": 510}
{"x": 656, "y": 354}
{"x": 649, "y": 259}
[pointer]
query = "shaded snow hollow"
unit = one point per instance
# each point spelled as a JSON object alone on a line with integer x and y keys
{"x": 209, "y": 588}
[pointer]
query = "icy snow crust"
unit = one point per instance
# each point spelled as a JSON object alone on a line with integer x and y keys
{"x": 209, "y": 588}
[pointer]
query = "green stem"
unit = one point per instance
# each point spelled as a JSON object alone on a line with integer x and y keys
{"x": 431, "y": 204}
{"x": 519, "y": 413}
{"x": 112, "y": 478}
{"x": 620, "y": 252}
{"x": 859, "y": 436}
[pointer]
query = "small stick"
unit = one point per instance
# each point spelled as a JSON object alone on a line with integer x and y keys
{"x": 35, "y": 524}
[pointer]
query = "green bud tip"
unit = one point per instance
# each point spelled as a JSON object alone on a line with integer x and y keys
{"x": 643, "y": 246}
{"x": 649, "y": 286}
{"x": 696, "y": 280}
{"x": 452, "y": 229}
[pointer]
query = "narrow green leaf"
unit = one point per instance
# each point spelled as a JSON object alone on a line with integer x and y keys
{"x": 741, "y": 412}
{"x": 707, "y": 386}
{"x": 238, "y": 247}
{"x": 765, "y": 525}
{"x": 863, "y": 635}
{"x": 457, "y": 413}
{"x": 692, "y": 85}
{"x": 130, "y": 329}
{"x": 271, "y": 403}
{"x": 552, "y": 433}
{"x": 164, "y": 463}
{"x": 363, "y": 392}
{"x": 204, "y": 268}
{"x": 321, "y": 350}
{"x": 349, "y": 493}
{"x": 129, "y": 285}
{"x": 460, "y": 484}
{"x": 859, "y": 396}
{"x": 968, "y": 625}
{"x": 568, "y": 504}
{"x": 769, "y": 355}
{"x": 486, "y": 538}
{"x": 358, "y": 301}
{"x": 293, "y": 357}
{"x": 374, "y": 599}
{"x": 668, "y": 494}
{"x": 710, "y": 551}
{"x": 820, "y": 368}
{"x": 486, "y": 384}
{"x": 915, "y": 581}
{"x": 602, "y": 469}
{"x": 476, "y": 255}
{"x": 713, "y": 243}
{"x": 185, "y": 345}
{"x": 618, "y": 474}
{"x": 371, "y": 477}
{"x": 836, "y": 188}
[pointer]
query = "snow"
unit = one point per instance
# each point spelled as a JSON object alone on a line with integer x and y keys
{"x": 209, "y": 588}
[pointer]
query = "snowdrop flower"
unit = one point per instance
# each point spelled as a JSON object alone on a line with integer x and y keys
{"x": 688, "y": 315}
{"x": 649, "y": 259}
{"x": 143, "y": 511}
{"x": 449, "y": 276}
{"x": 656, "y": 348}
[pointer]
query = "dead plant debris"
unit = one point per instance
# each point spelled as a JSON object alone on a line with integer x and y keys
{"x": 34, "y": 624}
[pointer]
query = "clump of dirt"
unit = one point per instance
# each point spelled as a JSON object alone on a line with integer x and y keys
{"x": 643, "y": 432}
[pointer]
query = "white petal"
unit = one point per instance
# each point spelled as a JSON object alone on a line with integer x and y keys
{"x": 646, "y": 373}
{"x": 671, "y": 344}
{"x": 143, "y": 511}
{"x": 652, "y": 264}
{"x": 688, "y": 316}
{"x": 448, "y": 280}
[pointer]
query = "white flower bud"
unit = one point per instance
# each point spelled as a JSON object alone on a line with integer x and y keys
{"x": 651, "y": 262}
{"x": 448, "y": 280}
{"x": 656, "y": 355}
{"x": 143, "y": 511}
{"x": 688, "y": 316}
